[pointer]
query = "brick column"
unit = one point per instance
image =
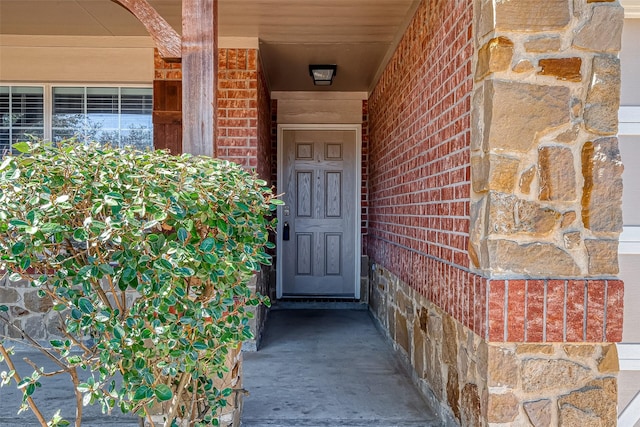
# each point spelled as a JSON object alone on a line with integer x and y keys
{"x": 546, "y": 207}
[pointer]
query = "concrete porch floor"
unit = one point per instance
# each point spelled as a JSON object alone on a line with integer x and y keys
{"x": 327, "y": 367}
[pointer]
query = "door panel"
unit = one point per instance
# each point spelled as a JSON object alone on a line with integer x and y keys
{"x": 319, "y": 186}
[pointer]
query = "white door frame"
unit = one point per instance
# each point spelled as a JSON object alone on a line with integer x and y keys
{"x": 358, "y": 195}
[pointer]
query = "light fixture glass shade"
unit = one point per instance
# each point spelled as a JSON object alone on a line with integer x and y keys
{"x": 322, "y": 74}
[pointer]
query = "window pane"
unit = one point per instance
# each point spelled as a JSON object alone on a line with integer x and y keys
{"x": 21, "y": 114}
{"x": 60, "y": 134}
{"x": 4, "y": 107}
{"x": 27, "y": 107}
{"x": 68, "y": 100}
{"x": 68, "y": 118}
{"x": 4, "y": 142}
{"x": 142, "y": 139}
{"x": 108, "y": 115}
{"x": 137, "y": 100}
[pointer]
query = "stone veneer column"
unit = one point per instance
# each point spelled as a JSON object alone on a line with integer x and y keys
{"x": 546, "y": 207}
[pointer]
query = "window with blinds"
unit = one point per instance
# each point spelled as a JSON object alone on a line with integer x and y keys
{"x": 21, "y": 115}
{"x": 110, "y": 115}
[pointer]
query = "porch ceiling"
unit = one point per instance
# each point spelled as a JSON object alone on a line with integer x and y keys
{"x": 355, "y": 34}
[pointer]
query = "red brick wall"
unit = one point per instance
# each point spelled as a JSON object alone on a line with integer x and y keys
{"x": 238, "y": 106}
{"x": 419, "y": 131}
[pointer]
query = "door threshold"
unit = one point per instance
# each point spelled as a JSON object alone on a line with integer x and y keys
{"x": 319, "y": 304}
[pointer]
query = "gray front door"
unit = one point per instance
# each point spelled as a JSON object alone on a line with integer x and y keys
{"x": 318, "y": 251}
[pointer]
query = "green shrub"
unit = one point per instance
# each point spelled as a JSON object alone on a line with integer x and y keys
{"x": 146, "y": 256}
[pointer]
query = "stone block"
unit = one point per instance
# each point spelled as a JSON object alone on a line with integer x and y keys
{"x": 593, "y": 404}
{"x": 435, "y": 328}
{"x": 568, "y": 218}
{"x": 526, "y": 179}
{"x": 17, "y": 311}
{"x": 480, "y": 166}
{"x": 450, "y": 341}
{"x": 539, "y": 44}
{"x": 603, "y": 257}
{"x": 603, "y": 32}
{"x": 34, "y": 327}
{"x": 510, "y": 215}
{"x": 402, "y": 334}
{"x": 608, "y": 362}
{"x": 391, "y": 321}
{"x": 484, "y": 17}
{"x": 557, "y": 174}
{"x": 569, "y": 136}
{"x": 8, "y": 295}
{"x": 477, "y": 119}
{"x": 502, "y": 367}
{"x": 517, "y": 114}
{"x": 482, "y": 357}
{"x": 534, "y": 259}
{"x": 54, "y": 325}
{"x": 572, "y": 240}
{"x": 503, "y": 408}
{"x": 538, "y": 349}
{"x": 494, "y": 172}
{"x": 494, "y": 56}
{"x": 577, "y": 351}
{"x": 423, "y": 317}
{"x": 470, "y": 406}
{"x": 539, "y": 412}
{"x": 523, "y": 66}
{"x": 418, "y": 349}
{"x": 403, "y": 303}
{"x": 603, "y": 97}
{"x": 15, "y": 331}
{"x": 602, "y": 193}
{"x": 532, "y": 15}
{"x": 561, "y": 68}
{"x": 503, "y": 173}
{"x": 35, "y": 304}
{"x": 541, "y": 375}
{"x": 433, "y": 371}
{"x": 453, "y": 391}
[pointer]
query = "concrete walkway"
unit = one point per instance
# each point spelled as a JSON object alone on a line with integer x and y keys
{"x": 319, "y": 368}
{"x": 55, "y": 394}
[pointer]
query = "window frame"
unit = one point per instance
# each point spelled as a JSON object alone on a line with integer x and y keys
{"x": 46, "y": 118}
{"x": 47, "y": 98}
{"x": 629, "y": 125}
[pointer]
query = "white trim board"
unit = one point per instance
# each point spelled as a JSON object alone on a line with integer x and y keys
{"x": 629, "y": 240}
{"x": 629, "y": 356}
{"x": 629, "y": 120}
{"x": 630, "y": 415}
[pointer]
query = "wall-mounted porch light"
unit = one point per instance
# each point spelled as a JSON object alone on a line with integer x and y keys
{"x": 322, "y": 74}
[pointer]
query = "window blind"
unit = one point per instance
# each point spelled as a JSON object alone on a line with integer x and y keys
{"x": 21, "y": 115}
{"x": 110, "y": 115}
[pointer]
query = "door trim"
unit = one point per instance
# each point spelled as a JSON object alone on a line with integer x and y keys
{"x": 358, "y": 196}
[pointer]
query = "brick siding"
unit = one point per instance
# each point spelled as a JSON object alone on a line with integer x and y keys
{"x": 419, "y": 124}
{"x": 419, "y": 166}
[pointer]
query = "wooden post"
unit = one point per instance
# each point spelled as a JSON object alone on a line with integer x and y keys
{"x": 199, "y": 76}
